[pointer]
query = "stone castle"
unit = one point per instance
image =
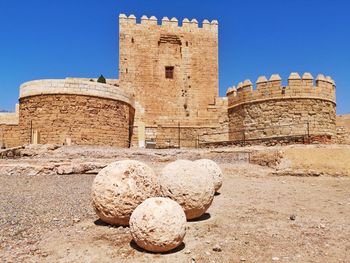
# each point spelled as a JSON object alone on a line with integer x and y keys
{"x": 167, "y": 96}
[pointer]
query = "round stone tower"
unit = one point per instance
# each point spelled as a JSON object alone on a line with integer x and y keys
{"x": 297, "y": 112}
{"x": 75, "y": 111}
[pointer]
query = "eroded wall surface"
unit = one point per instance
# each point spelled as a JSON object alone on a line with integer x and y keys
{"x": 75, "y": 111}
{"x": 273, "y": 110}
{"x": 190, "y": 97}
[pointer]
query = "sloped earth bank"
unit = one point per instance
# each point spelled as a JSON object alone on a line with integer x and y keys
{"x": 262, "y": 214}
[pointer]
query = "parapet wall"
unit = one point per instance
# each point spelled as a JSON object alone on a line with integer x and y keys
{"x": 272, "y": 89}
{"x": 301, "y": 109}
{"x": 170, "y": 23}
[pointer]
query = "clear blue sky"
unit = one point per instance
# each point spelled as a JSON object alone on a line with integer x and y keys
{"x": 55, "y": 39}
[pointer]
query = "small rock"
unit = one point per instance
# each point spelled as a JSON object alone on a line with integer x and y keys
{"x": 275, "y": 258}
{"x": 76, "y": 220}
{"x": 55, "y": 219}
{"x": 208, "y": 242}
{"x": 187, "y": 252}
{"x": 242, "y": 259}
{"x": 322, "y": 226}
{"x": 217, "y": 248}
{"x": 292, "y": 217}
{"x": 207, "y": 253}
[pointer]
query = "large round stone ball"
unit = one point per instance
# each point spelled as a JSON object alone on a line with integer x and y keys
{"x": 158, "y": 224}
{"x": 120, "y": 187}
{"x": 214, "y": 170}
{"x": 188, "y": 184}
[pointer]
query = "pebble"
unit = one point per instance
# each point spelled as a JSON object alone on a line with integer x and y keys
{"x": 217, "y": 248}
{"x": 275, "y": 258}
{"x": 242, "y": 259}
{"x": 207, "y": 253}
{"x": 188, "y": 252}
{"x": 76, "y": 220}
{"x": 292, "y": 217}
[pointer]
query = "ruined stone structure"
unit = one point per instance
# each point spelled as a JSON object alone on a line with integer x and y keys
{"x": 273, "y": 111}
{"x": 167, "y": 96}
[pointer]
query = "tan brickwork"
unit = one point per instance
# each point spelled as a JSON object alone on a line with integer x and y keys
{"x": 189, "y": 98}
{"x": 272, "y": 110}
{"x": 167, "y": 96}
{"x": 9, "y": 135}
{"x": 84, "y": 120}
{"x": 343, "y": 129}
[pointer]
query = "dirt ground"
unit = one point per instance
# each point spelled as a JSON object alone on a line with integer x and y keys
{"x": 277, "y": 204}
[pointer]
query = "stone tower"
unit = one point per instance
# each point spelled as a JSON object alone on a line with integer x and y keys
{"x": 171, "y": 69}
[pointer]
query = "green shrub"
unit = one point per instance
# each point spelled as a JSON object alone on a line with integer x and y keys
{"x": 101, "y": 79}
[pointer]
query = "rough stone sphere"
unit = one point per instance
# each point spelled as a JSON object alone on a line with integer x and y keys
{"x": 189, "y": 185}
{"x": 120, "y": 187}
{"x": 214, "y": 170}
{"x": 158, "y": 224}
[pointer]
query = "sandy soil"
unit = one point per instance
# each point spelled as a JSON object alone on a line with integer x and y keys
{"x": 257, "y": 217}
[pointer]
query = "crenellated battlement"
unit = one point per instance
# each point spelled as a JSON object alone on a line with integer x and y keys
{"x": 269, "y": 89}
{"x": 169, "y": 23}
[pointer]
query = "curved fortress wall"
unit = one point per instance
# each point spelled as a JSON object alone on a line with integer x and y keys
{"x": 76, "y": 111}
{"x": 299, "y": 110}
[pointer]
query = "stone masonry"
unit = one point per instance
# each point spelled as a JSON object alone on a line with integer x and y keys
{"x": 71, "y": 111}
{"x": 272, "y": 111}
{"x": 188, "y": 97}
{"x": 167, "y": 96}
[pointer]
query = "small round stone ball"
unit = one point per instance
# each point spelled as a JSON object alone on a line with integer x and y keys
{"x": 158, "y": 224}
{"x": 214, "y": 170}
{"x": 120, "y": 187}
{"x": 188, "y": 184}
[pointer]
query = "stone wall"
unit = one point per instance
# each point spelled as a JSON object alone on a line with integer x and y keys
{"x": 74, "y": 111}
{"x": 82, "y": 119}
{"x": 343, "y": 129}
{"x": 9, "y": 136}
{"x": 272, "y": 111}
{"x": 211, "y": 127}
{"x": 9, "y": 131}
{"x": 147, "y": 49}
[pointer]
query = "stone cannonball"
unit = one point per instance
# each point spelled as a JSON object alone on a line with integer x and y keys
{"x": 120, "y": 187}
{"x": 214, "y": 170}
{"x": 158, "y": 224}
{"x": 189, "y": 185}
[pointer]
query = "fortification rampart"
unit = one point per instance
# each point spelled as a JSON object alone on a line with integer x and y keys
{"x": 272, "y": 89}
{"x": 170, "y": 23}
{"x": 301, "y": 108}
{"x": 74, "y": 111}
{"x": 73, "y": 86}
